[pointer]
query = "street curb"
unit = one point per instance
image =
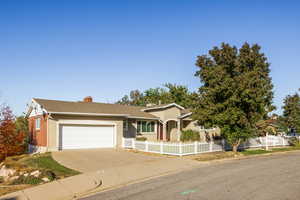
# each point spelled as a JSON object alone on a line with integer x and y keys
{"x": 246, "y": 157}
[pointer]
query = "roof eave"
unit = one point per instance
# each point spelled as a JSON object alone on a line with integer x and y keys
{"x": 102, "y": 115}
{"x": 135, "y": 117}
{"x": 165, "y": 106}
{"x": 185, "y": 115}
{"x": 88, "y": 114}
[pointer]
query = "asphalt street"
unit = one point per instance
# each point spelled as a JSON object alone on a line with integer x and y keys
{"x": 260, "y": 178}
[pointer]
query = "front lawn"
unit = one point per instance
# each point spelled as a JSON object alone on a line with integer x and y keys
{"x": 230, "y": 154}
{"x": 250, "y": 152}
{"x": 46, "y": 162}
{"x": 32, "y": 170}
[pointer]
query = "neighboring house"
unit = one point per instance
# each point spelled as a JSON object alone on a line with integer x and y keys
{"x": 57, "y": 125}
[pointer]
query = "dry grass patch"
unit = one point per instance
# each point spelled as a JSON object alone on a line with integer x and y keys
{"x": 213, "y": 156}
{"x": 151, "y": 154}
{"x": 5, "y": 189}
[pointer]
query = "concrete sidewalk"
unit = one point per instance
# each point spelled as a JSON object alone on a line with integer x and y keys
{"x": 64, "y": 189}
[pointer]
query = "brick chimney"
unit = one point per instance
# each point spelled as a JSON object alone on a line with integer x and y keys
{"x": 88, "y": 99}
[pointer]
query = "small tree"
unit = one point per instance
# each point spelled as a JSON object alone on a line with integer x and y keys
{"x": 291, "y": 112}
{"x": 236, "y": 91}
{"x": 11, "y": 141}
{"x": 22, "y": 128}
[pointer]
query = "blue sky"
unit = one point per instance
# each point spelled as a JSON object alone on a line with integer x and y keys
{"x": 70, "y": 49}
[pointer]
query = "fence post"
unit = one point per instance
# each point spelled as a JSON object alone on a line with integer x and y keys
{"x": 267, "y": 146}
{"x": 146, "y": 146}
{"x": 210, "y": 146}
{"x": 273, "y": 141}
{"x": 161, "y": 147}
{"x": 133, "y": 143}
{"x": 180, "y": 149}
{"x": 195, "y": 147}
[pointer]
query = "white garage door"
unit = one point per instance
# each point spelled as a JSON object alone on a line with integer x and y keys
{"x": 84, "y": 136}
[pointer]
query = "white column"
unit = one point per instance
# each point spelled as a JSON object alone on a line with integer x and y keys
{"x": 164, "y": 131}
{"x": 178, "y": 129}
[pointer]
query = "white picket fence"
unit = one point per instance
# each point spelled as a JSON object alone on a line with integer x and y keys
{"x": 181, "y": 149}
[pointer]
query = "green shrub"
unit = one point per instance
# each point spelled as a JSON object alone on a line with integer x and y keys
{"x": 49, "y": 174}
{"x": 189, "y": 135}
{"x": 27, "y": 180}
{"x": 294, "y": 142}
{"x": 141, "y": 138}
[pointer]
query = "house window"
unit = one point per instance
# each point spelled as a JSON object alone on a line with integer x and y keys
{"x": 125, "y": 125}
{"x": 37, "y": 123}
{"x": 145, "y": 126}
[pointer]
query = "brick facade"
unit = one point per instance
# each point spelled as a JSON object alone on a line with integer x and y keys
{"x": 38, "y": 137}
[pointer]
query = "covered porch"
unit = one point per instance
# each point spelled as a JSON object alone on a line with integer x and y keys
{"x": 170, "y": 130}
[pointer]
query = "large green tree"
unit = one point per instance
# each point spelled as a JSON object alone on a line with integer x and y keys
{"x": 170, "y": 93}
{"x": 236, "y": 91}
{"x": 291, "y": 112}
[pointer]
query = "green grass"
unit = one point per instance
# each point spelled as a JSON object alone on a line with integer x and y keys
{"x": 254, "y": 152}
{"x": 46, "y": 162}
{"x": 43, "y": 162}
{"x": 262, "y": 151}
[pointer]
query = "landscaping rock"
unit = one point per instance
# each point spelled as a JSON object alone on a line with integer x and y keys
{"x": 26, "y": 174}
{"x": 35, "y": 173}
{"x": 13, "y": 178}
{"x": 5, "y": 172}
{"x": 45, "y": 179}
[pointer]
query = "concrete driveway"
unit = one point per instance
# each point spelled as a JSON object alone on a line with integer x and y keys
{"x": 107, "y": 159}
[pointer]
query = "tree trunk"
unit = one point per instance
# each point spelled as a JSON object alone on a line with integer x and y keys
{"x": 235, "y": 146}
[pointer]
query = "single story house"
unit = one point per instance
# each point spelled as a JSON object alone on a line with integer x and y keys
{"x": 57, "y": 125}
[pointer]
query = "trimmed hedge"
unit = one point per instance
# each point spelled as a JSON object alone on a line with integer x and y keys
{"x": 189, "y": 135}
{"x": 141, "y": 139}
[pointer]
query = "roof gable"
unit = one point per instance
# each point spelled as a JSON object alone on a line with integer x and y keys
{"x": 163, "y": 106}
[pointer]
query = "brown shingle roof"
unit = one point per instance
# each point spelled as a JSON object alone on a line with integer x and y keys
{"x": 185, "y": 111}
{"x": 56, "y": 106}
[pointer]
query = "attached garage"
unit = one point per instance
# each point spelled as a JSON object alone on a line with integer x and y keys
{"x": 86, "y": 136}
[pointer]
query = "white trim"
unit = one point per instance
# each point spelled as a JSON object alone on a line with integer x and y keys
{"x": 133, "y": 117}
{"x": 37, "y": 121}
{"x": 185, "y": 115}
{"x": 146, "y": 133}
{"x": 171, "y": 119}
{"x": 165, "y": 106}
{"x": 85, "y": 122}
{"x": 38, "y": 111}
